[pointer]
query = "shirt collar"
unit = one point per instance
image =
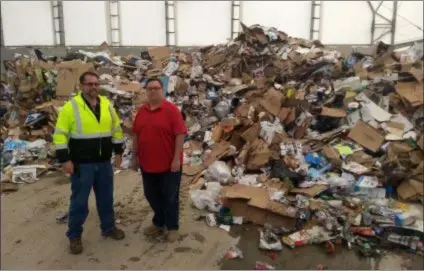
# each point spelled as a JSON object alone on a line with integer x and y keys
{"x": 159, "y": 107}
{"x": 85, "y": 100}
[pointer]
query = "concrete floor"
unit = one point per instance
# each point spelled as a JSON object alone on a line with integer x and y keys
{"x": 31, "y": 238}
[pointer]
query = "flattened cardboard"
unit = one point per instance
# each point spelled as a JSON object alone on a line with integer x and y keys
{"x": 366, "y": 136}
{"x": 254, "y": 204}
{"x": 217, "y": 133}
{"x": 258, "y": 156}
{"x": 411, "y": 91}
{"x": 236, "y": 139}
{"x": 69, "y": 73}
{"x": 332, "y": 154}
{"x": 310, "y": 191}
{"x": 333, "y": 112}
{"x": 192, "y": 170}
{"x": 410, "y": 190}
{"x": 284, "y": 113}
{"x": 65, "y": 83}
{"x": 217, "y": 151}
{"x": 417, "y": 73}
{"x": 272, "y": 102}
{"x": 252, "y": 133}
{"x": 130, "y": 87}
{"x": 49, "y": 65}
{"x": 158, "y": 55}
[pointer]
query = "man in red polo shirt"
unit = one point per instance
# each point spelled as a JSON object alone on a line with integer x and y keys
{"x": 159, "y": 132}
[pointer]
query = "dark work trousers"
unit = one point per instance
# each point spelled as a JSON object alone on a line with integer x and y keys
{"x": 98, "y": 176}
{"x": 162, "y": 191}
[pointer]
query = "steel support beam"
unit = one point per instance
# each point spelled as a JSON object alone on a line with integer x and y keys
{"x": 388, "y": 26}
{"x": 170, "y": 23}
{"x": 1, "y": 33}
{"x": 235, "y": 18}
{"x": 114, "y": 12}
{"x": 58, "y": 25}
{"x": 314, "y": 28}
{"x": 408, "y": 43}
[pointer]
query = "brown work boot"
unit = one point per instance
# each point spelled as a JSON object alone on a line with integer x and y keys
{"x": 153, "y": 230}
{"x": 173, "y": 236}
{"x": 116, "y": 234}
{"x": 76, "y": 246}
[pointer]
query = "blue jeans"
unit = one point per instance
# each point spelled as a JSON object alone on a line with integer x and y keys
{"x": 98, "y": 176}
{"x": 162, "y": 191}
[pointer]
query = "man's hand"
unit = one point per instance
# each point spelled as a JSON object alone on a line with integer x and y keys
{"x": 134, "y": 163}
{"x": 176, "y": 165}
{"x": 68, "y": 167}
{"x": 117, "y": 160}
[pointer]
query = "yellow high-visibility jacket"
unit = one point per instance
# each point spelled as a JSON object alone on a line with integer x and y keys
{"x": 81, "y": 138}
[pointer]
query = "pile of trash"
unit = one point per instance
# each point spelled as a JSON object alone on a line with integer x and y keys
{"x": 283, "y": 131}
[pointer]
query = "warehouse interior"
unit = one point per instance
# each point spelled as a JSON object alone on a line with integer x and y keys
{"x": 306, "y": 116}
{"x": 201, "y": 23}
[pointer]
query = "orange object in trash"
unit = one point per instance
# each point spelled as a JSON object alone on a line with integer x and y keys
{"x": 364, "y": 231}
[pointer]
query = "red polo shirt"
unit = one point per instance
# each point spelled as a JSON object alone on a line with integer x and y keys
{"x": 155, "y": 132}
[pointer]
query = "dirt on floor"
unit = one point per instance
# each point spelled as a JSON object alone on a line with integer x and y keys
{"x": 32, "y": 239}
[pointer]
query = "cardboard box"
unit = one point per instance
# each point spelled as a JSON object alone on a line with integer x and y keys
{"x": 254, "y": 205}
{"x": 411, "y": 91}
{"x": 258, "y": 155}
{"x": 252, "y": 133}
{"x": 410, "y": 190}
{"x": 68, "y": 77}
{"x": 333, "y": 112}
{"x": 159, "y": 56}
{"x": 310, "y": 191}
{"x": 332, "y": 154}
{"x": 366, "y": 136}
{"x": 272, "y": 102}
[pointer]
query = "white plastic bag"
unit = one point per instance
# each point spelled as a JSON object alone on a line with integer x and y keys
{"x": 203, "y": 199}
{"x": 264, "y": 244}
{"x": 249, "y": 180}
{"x": 222, "y": 109}
{"x": 218, "y": 172}
{"x": 207, "y": 199}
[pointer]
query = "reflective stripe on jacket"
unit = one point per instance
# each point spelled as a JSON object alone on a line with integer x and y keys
{"x": 80, "y": 137}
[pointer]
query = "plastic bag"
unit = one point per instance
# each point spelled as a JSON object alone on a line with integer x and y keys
{"x": 203, "y": 199}
{"x": 218, "y": 172}
{"x": 207, "y": 199}
{"x": 143, "y": 64}
{"x": 222, "y": 109}
{"x": 269, "y": 241}
{"x": 214, "y": 188}
{"x": 171, "y": 68}
{"x": 249, "y": 180}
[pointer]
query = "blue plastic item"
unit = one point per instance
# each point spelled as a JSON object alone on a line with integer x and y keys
{"x": 313, "y": 159}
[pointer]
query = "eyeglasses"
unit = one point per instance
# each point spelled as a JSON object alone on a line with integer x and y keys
{"x": 92, "y": 84}
{"x": 153, "y": 88}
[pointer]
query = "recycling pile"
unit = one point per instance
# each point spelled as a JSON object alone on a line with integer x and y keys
{"x": 282, "y": 131}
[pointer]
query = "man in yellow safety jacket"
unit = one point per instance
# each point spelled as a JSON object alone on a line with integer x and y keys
{"x": 87, "y": 131}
